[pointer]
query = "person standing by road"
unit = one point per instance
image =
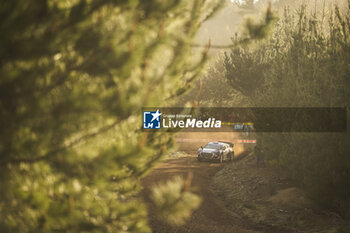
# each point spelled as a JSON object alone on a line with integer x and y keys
{"x": 259, "y": 155}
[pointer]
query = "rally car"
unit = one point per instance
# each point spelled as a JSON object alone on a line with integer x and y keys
{"x": 216, "y": 151}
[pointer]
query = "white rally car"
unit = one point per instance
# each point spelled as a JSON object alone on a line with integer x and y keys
{"x": 216, "y": 151}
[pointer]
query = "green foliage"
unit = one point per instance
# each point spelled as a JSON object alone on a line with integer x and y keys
{"x": 74, "y": 76}
{"x": 174, "y": 202}
{"x": 244, "y": 70}
{"x": 304, "y": 64}
{"x": 260, "y": 30}
{"x": 213, "y": 88}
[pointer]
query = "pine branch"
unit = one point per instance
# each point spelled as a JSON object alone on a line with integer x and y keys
{"x": 62, "y": 148}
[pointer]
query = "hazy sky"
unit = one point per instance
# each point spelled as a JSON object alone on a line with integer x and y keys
{"x": 222, "y": 27}
{"x": 229, "y": 20}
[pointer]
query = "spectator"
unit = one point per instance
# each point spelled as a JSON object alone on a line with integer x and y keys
{"x": 259, "y": 155}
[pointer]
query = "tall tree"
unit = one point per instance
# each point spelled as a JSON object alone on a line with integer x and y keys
{"x": 74, "y": 76}
{"x": 304, "y": 64}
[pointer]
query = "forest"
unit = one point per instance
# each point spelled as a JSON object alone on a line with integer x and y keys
{"x": 75, "y": 74}
{"x": 304, "y": 63}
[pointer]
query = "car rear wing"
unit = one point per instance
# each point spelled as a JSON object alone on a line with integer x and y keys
{"x": 229, "y": 143}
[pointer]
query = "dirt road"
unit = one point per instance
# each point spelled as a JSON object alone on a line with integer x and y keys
{"x": 211, "y": 216}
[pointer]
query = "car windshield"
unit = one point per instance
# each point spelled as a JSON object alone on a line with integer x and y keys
{"x": 213, "y": 146}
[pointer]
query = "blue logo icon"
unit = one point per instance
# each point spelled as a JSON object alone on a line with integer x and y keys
{"x": 151, "y": 120}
